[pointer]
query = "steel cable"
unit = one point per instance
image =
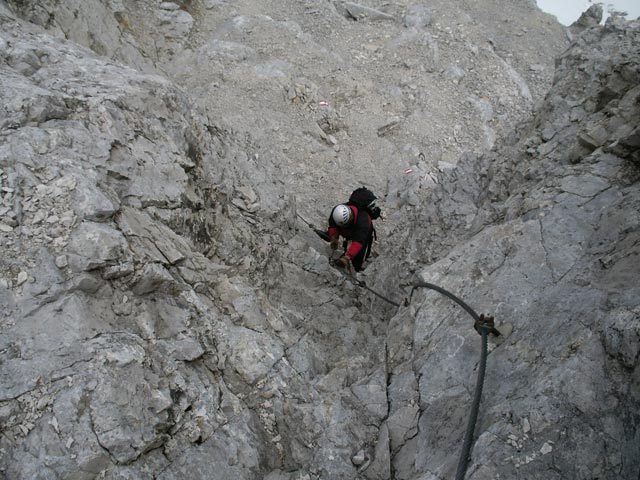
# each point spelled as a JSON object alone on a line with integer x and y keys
{"x": 361, "y": 283}
{"x": 483, "y": 330}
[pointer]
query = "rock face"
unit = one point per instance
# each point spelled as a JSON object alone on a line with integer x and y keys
{"x": 164, "y": 315}
{"x": 543, "y": 233}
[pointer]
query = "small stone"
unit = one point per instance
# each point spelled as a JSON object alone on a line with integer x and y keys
{"x": 548, "y": 133}
{"x": 67, "y": 220}
{"x": 67, "y": 182}
{"x": 546, "y": 448}
{"x": 11, "y": 221}
{"x": 248, "y": 194}
{"x": 526, "y": 427}
{"x": 118, "y": 271}
{"x": 359, "y": 458}
{"x": 43, "y": 190}
{"x": 53, "y": 219}
{"x": 5, "y": 228}
{"x": 54, "y": 424}
{"x": 59, "y": 242}
{"x": 169, "y": 6}
{"x": 22, "y": 277}
{"x": 61, "y": 261}
{"x": 86, "y": 283}
{"x": 38, "y": 217}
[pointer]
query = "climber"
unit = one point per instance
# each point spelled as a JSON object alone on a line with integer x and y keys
{"x": 354, "y": 222}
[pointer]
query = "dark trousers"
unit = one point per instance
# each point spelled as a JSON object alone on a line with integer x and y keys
{"x": 358, "y": 260}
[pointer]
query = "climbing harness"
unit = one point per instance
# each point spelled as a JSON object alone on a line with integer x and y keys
{"x": 484, "y": 326}
{"x": 325, "y": 236}
{"x": 321, "y": 233}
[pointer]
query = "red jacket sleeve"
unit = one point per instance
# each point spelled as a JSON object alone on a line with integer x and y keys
{"x": 333, "y": 232}
{"x": 354, "y": 249}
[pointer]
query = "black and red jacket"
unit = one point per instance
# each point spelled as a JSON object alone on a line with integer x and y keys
{"x": 360, "y": 232}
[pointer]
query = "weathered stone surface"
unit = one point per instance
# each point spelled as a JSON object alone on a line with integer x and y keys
{"x": 129, "y": 416}
{"x": 154, "y": 278}
{"x": 380, "y": 466}
{"x": 417, "y": 16}
{"x": 149, "y": 238}
{"x": 360, "y": 12}
{"x": 373, "y": 394}
{"x": 164, "y": 313}
{"x": 589, "y": 18}
{"x": 252, "y": 354}
{"x": 551, "y": 262}
{"x": 92, "y": 203}
{"x": 97, "y": 245}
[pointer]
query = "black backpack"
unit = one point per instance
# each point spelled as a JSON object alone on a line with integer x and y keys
{"x": 364, "y": 198}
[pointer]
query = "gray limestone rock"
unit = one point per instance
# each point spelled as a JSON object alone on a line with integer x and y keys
{"x": 454, "y": 73}
{"x": 96, "y": 245}
{"x": 373, "y": 395}
{"x": 360, "y": 12}
{"x": 589, "y": 18}
{"x": 380, "y": 466}
{"x": 128, "y": 414}
{"x": 545, "y": 267}
{"x": 164, "y": 314}
{"x": 154, "y": 278}
{"x": 425, "y": 41}
{"x": 92, "y": 202}
{"x": 417, "y": 16}
{"x": 251, "y": 354}
{"x": 151, "y": 239}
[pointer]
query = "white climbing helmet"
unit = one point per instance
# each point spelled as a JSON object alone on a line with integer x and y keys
{"x": 342, "y": 215}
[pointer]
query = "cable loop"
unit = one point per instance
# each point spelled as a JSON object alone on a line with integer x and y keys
{"x": 483, "y": 325}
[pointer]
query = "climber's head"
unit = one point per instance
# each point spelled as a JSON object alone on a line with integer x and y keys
{"x": 342, "y": 215}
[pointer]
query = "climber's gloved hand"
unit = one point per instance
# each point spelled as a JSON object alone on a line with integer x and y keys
{"x": 344, "y": 262}
{"x": 334, "y": 243}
